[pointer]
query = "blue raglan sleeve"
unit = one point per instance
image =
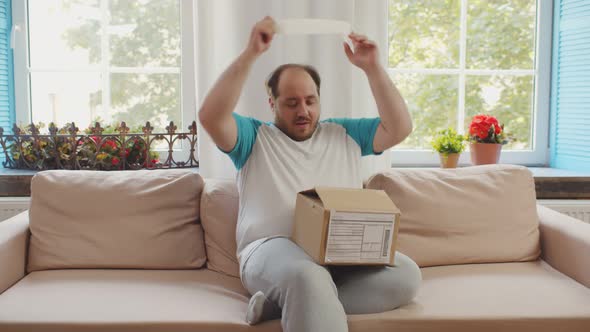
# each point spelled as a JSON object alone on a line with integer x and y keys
{"x": 361, "y": 130}
{"x": 247, "y": 132}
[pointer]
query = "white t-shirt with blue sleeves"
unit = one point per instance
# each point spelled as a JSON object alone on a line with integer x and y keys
{"x": 273, "y": 168}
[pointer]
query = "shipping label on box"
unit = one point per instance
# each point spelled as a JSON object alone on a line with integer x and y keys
{"x": 359, "y": 237}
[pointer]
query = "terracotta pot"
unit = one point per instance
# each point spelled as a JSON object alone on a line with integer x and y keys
{"x": 485, "y": 153}
{"x": 449, "y": 160}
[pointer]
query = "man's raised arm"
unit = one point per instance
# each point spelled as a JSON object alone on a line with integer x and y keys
{"x": 396, "y": 123}
{"x": 215, "y": 113}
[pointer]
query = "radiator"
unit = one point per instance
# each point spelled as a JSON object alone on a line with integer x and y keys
{"x": 11, "y": 206}
{"x": 579, "y": 209}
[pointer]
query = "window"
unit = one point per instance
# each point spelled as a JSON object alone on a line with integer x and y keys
{"x": 107, "y": 60}
{"x": 452, "y": 59}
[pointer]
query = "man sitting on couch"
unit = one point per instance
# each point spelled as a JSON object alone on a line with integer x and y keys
{"x": 297, "y": 152}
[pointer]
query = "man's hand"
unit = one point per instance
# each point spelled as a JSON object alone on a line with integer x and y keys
{"x": 365, "y": 54}
{"x": 261, "y": 36}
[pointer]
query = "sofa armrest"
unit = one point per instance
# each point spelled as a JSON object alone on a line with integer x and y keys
{"x": 565, "y": 244}
{"x": 14, "y": 234}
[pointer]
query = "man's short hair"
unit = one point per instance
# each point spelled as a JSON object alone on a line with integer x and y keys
{"x": 272, "y": 82}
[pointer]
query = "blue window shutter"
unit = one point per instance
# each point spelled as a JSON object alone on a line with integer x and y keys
{"x": 570, "y": 86}
{"x": 7, "y": 115}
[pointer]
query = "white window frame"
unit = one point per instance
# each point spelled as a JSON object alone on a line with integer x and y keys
{"x": 22, "y": 70}
{"x": 539, "y": 153}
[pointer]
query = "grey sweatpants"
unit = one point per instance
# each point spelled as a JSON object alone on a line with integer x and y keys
{"x": 311, "y": 297}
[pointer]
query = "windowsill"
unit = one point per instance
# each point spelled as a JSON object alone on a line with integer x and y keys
{"x": 550, "y": 183}
{"x": 15, "y": 182}
{"x": 538, "y": 172}
{"x": 553, "y": 183}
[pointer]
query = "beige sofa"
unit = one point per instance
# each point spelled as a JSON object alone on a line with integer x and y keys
{"x": 154, "y": 251}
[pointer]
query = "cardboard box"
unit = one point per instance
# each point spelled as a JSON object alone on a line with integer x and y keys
{"x": 341, "y": 226}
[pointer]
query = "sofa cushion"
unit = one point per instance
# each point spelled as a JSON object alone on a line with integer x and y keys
{"x": 118, "y": 219}
{"x": 126, "y": 300}
{"x": 480, "y": 214}
{"x": 219, "y": 214}
{"x": 508, "y": 297}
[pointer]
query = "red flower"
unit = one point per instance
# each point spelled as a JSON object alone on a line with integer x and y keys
{"x": 110, "y": 144}
{"x": 478, "y": 118}
{"x": 479, "y": 129}
{"x": 155, "y": 161}
{"x": 493, "y": 121}
{"x": 115, "y": 161}
{"x": 481, "y": 124}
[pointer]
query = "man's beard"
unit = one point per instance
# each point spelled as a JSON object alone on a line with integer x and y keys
{"x": 291, "y": 129}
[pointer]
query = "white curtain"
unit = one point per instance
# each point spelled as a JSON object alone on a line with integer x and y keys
{"x": 222, "y": 28}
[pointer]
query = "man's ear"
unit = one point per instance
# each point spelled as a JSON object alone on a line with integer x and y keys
{"x": 271, "y": 103}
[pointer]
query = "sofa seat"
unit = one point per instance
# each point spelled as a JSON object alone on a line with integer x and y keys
{"x": 504, "y": 297}
{"x": 528, "y": 296}
{"x": 126, "y": 300}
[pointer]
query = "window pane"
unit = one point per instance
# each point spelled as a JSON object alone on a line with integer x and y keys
{"x": 432, "y": 103}
{"x": 140, "y": 33}
{"x": 65, "y": 97}
{"x": 424, "y": 33}
{"x": 64, "y": 33}
{"x": 137, "y": 98}
{"x": 145, "y": 33}
{"x": 501, "y": 34}
{"x": 508, "y": 98}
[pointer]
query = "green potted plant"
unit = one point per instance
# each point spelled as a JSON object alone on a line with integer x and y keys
{"x": 449, "y": 145}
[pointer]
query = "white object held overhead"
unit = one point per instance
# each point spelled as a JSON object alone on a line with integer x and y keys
{"x": 312, "y": 27}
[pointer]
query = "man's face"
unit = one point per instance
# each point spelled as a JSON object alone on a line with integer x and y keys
{"x": 297, "y": 108}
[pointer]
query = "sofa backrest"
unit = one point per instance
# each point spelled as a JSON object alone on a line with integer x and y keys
{"x": 146, "y": 219}
{"x": 480, "y": 214}
{"x": 219, "y": 214}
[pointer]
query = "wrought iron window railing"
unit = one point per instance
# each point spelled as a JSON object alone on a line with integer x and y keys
{"x": 68, "y": 148}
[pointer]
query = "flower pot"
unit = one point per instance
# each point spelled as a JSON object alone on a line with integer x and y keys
{"x": 449, "y": 160}
{"x": 485, "y": 153}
